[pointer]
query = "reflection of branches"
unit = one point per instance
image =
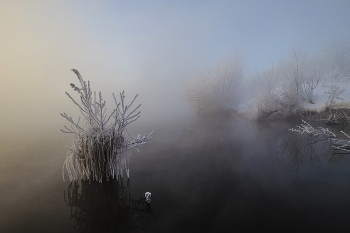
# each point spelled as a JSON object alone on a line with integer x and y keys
{"x": 107, "y": 206}
{"x": 301, "y": 150}
{"x": 292, "y": 151}
{"x": 309, "y": 136}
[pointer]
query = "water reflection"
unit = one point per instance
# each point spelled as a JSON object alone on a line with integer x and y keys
{"x": 105, "y": 207}
{"x": 218, "y": 137}
{"x": 294, "y": 151}
{"x": 227, "y": 176}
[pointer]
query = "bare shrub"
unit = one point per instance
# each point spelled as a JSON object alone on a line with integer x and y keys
{"x": 215, "y": 89}
{"x": 268, "y": 98}
{"x": 333, "y": 93}
{"x": 285, "y": 87}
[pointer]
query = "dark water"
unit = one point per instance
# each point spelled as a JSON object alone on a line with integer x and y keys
{"x": 209, "y": 175}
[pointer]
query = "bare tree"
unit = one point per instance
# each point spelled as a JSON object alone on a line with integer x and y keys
{"x": 268, "y": 97}
{"x": 297, "y": 77}
{"x": 215, "y": 88}
{"x": 337, "y": 53}
{"x": 312, "y": 79}
{"x": 302, "y": 75}
{"x": 289, "y": 84}
{"x": 293, "y": 70}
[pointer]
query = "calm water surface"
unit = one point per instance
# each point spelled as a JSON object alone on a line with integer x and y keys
{"x": 209, "y": 175}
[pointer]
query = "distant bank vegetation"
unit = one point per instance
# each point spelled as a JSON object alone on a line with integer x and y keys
{"x": 279, "y": 91}
{"x": 215, "y": 88}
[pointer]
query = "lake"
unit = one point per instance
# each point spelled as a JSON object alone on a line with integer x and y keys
{"x": 206, "y": 175}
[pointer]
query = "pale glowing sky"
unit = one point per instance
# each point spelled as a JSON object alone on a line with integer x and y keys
{"x": 145, "y": 47}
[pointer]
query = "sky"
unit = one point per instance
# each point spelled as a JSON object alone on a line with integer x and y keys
{"x": 144, "y": 47}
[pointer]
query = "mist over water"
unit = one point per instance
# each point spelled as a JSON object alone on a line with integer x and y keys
{"x": 234, "y": 175}
{"x": 205, "y": 174}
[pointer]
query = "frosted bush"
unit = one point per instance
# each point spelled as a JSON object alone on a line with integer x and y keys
{"x": 100, "y": 149}
{"x": 268, "y": 89}
{"x": 284, "y": 88}
{"x": 215, "y": 89}
{"x": 333, "y": 93}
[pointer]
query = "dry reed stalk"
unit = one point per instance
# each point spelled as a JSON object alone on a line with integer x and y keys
{"x": 100, "y": 149}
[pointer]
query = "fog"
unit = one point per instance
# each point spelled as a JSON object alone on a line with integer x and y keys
{"x": 147, "y": 48}
{"x": 151, "y": 48}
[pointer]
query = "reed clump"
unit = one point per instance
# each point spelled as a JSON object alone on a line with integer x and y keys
{"x": 100, "y": 149}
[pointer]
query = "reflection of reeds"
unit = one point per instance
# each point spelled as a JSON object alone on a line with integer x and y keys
{"x": 100, "y": 148}
{"x": 107, "y": 206}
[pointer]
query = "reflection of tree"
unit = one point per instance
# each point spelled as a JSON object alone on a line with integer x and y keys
{"x": 105, "y": 207}
{"x": 299, "y": 151}
{"x": 296, "y": 150}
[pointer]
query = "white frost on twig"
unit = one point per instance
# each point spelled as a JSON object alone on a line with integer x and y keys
{"x": 307, "y": 128}
{"x": 324, "y": 133}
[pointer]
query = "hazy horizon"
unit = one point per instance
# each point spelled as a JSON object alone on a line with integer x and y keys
{"x": 146, "y": 47}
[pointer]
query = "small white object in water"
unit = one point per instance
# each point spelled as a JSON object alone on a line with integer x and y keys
{"x": 148, "y": 197}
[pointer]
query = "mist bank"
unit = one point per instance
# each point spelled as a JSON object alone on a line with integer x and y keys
{"x": 298, "y": 83}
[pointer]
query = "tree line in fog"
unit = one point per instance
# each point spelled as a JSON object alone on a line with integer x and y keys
{"x": 279, "y": 89}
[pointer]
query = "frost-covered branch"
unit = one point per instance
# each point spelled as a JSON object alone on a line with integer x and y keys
{"x": 324, "y": 133}
{"x": 343, "y": 145}
{"x": 307, "y": 128}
